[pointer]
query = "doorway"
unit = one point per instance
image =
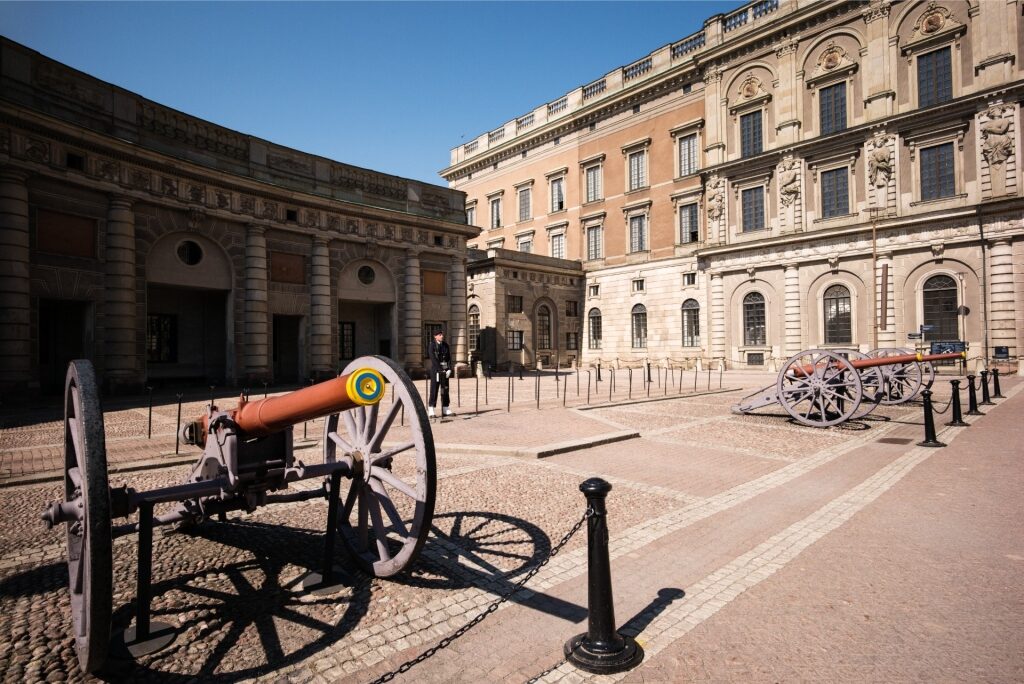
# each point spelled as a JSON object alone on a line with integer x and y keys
{"x": 287, "y": 349}
{"x": 62, "y": 332}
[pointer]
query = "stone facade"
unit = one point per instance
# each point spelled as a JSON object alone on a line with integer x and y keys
{"x": 169, "y": 249}
{"x": 830, "y": 174}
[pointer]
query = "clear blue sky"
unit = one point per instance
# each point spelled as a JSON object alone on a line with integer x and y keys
{"x": 391, "y": 86}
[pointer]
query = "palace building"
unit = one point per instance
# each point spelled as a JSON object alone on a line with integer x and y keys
{"x": 793, "y": 175}
{"x": 169, "y": 249}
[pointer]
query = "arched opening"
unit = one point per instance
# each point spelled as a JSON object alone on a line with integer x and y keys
{"x": 838, "y": 315}
{"x": 691, "y": 323}
{"x": 543, "y": 327}
{"x": 594, "y": 327}
{"x": 754, "y": 320}
{"x": 940, "y": 308}
{"x": 639, "y": 316}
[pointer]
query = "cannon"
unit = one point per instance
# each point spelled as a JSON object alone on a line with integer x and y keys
{"x": 822, "y": 387}
{"x": 382, "y": 513}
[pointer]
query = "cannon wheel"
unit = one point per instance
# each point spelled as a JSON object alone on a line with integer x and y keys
{"x": 819, "y": 388}
{"x": 89, "y": 541}
{"x": 904, "y": 380}
{"x": 358, "y": 436}
{"x": 873, "y": 381}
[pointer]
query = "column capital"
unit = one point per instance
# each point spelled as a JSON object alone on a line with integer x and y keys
{"x": 320, "y": 240}
{"x": 12, "y": 174}
{"x": 1001, "y": 241}
{"x": 120, "y": 202}
{"x": 257, "y": 229}
{"x": 412, "y": 253}
{"x": 791, "y": 267}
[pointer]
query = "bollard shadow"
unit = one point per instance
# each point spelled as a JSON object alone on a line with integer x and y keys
{"x": 489, "y": 551}
{"x": 245, "y": 609}
{"x": 635, "y": 625}
{"x": 39, "y": 580}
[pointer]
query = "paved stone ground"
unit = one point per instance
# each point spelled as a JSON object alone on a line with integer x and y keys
{"x": 744, "y": 548}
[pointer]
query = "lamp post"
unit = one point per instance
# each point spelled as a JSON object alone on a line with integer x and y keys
{"x": 874, "y": 212}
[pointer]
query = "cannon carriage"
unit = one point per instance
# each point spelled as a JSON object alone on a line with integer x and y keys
{"x": 380, "y": 491}
{"x": 824, "y": 387}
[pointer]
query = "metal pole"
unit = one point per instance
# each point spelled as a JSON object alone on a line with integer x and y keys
{"x": 985, "y": 399}
{"x": 997, "y": 393}
{"x": 721, "y": 367}
{"x": 211, "y": 394}
{"x": 709, "y": 378}
{"x": 694, "y": 377}
{"x": 611, "y": 384}
{"x": 972, "y": 398}
{"x": 537, "y": 389}
{"x": 958, "y": 418}
{"x": 476, "y": 394}
{"x": 929, "y": 422}
{"x": 508, "y": 395}
{"x": 149, "y": 427}
{"x": 588, "y": 388}
{"x": 144, "y": 589}
{"x": 327, "y": 576}
{"x": 458, "y": 389}
{"x": 265, "y": 389}
{"x": 177, "y": 429}
{"x": 629, "y": 382}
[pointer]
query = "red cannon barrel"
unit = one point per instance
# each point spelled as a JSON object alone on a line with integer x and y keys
{"x": 266, "y": 416}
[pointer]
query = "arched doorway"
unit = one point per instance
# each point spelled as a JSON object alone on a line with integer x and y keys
{"x": 366, "y": 311}
{"x": 939, "y": 308}
{"x": 188, "y": 283}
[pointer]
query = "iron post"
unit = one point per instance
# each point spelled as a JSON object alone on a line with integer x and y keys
{"x": 985, "y": 399}
{"x": 930, "y": 439}
{"x": 972, "y": 398}
{"x": 997, "y": 393}
{"x": 958, "y": 418}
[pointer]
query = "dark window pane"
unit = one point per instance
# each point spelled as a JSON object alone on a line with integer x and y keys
{"x": 940, "y": 305}
{"x": 833, "y": 108}
{"x": 934, "y": 78}
{"x": 837, "y": 315}
{"x": 750, "y": 134}
{"x": 835, "y": 194}
{"x": 691, "y": 323}
{"x": 753, "y": 319}
{"x": 594, "y": 318}
{"x": 937, "y": 172}
{"x": 753, "y": 209}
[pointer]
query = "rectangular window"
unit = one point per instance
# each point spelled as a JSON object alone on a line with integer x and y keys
{"x": 434, "y": 282}
{"x": 162, "y": 338}
{"x": 496, "y": 212}
{"x": 471, "y": 216}
{"x": 638, "y": 170}
{"x": 835, "y": 192}
{"x": 58, "y": 233}
{"x": 595, "y": 242}
{"x": 514, "y": 304}
{"x": 595, "y": 330}
{"x": 473, "y": 328}
{"x": 287, "y": 268}
{"x": 755, "y": 359}
{"x": 937, "y": 178}
{"x": 688, "y": 155}
{"x": 515, "y": 339}
{"x": 346, "y": 340}
{"x": 524, "y": 204}
{"x": 558, "y": 246}
{"x": 428, "y": 335}
{"x": 525, "y": 245}
{"x": 753, "y": 209}
{"x": 688, "y": 229}
{"x": 689, "y": 279}
{"x": 934, "y": 78}
{"x": 593, "y": 183}
{"x": 594, "y": 290}
{"x": 557, "y": 194}
{"x": 572, "y": 341}
{"x": 637, "y": 233}
{"x": 572, "y": 309}
{"x": 638, "y": 285}
{"x": 832, "y": 107}
{"x": 751, "y": 141}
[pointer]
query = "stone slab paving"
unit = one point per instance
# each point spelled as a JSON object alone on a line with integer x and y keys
{"x": 709, "y": 537}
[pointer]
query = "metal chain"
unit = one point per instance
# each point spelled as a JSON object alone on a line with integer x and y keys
{"x": 948, "y": 404}
{"x": 536, "y": 678}
{"x": 445, "y": 642}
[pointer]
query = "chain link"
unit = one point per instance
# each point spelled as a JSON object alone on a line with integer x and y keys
{"x": 948, "y": 404}
{"x": 536, "y": 678}
{"x": 445, "y": 642}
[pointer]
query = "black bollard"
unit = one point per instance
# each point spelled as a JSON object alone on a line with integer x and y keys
{"x": 149, "y": 428}
{"x": 508, "y": 395}
{"x": 996, "y": 393}
{"x": 177, "y": 438}
{"x": 458, "y": 390}
{"x": 929, "y": 422}
{"x": 601, "y": 649}
{"x": 958, "y": 417}
{"x": 972, "y": 398}
{"x": 588, "y": 388}
{"x": 265, "y": 383}
{"x": 709, "y": 378}
{"x": 598, "y": 371}
{"x": 521, "y": 366}
{"x": 648, "y": 372}
{"x": 536, "y": 390}
{"x": 985, "y": 399}
{"x": 611, "y": 385}
{"x": 211, "y": 394}
{"x": 476, "y": 394}
{"x": 629, "y": 383}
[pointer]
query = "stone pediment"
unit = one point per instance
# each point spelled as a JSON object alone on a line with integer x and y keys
{"x": 935, "y": 25}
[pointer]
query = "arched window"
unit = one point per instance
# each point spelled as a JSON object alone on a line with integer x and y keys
{"x": 594, "y": 318}
{"x": 639, "y": 326}
{"x": 753, "y": 319}
{"x": 474, "y": 328}
{"x": 940, "y": 305}
{"x": 691, "y": 323}
{"x": 543, "y": 327}
{"x": 837, "y": 315}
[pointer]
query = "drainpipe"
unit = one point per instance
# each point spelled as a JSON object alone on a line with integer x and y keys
{"x": 984, "y": 286}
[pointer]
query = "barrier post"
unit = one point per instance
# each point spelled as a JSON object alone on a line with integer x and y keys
{"x": 601, "y": 649}
{"x": 972, "y": 398}
{"x": 985, "y": 399}
{"x": 177, "y": 429}
{"x": 997, "y": 393}
{"x": 958, "y": 418}
{"x": 930, "y": 439}
{"x": 149, "y": 427}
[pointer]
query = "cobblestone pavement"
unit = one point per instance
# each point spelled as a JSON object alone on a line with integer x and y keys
{"x": 743, "y": 548}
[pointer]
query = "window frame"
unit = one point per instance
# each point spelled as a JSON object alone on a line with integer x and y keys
{"x": 821, "y": 90}
{"x": 690, "y": 315}
{"x": 351, "y": 327}
{"x": 559, "y": 182}
{"x": 953, "y": 168}
{"x": 473, "y": 328}
{"x": 830, "y": 171}
{"x": 748, "y": 341}
{"x": 495, "y": 206}
{"x": 512, "y": 335}
{"x": 598, "y": 168}
{"x": 744, "y": 116}
{"x": 594, "y": 341}
{"x": 513, "y": 304}
{"x": 637, "y": 149}
{"x": 692, "y": 236}
{"x": 638, "y": 323}
{"x": 544, "y": 328}
{"x": 825, "y": 320}
{"x": 916, "y": 76}
{"x": 596, "y": 228}
{"x": 763, "y": 187}
{"x": 524, "y": 210}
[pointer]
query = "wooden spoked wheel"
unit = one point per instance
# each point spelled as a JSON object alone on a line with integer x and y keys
{"x": 903, "y": 380}
{"x": 89, "y": 541}
{"x": 873, "y": 382}
{"x": 387, "y": 497}
{"x": 819, "y": 388}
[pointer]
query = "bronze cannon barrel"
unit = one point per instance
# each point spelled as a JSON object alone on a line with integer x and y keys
{"x": 271, "y": 414}
{"x": 889, "y": 361}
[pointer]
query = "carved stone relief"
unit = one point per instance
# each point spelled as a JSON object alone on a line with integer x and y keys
{"x": 881, "y": 168}
{"x": 995, "y": 127}
{"x": 788, "y": 172}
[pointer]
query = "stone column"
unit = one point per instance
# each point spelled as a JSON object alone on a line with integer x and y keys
{"x": 119, "y": 324}
{"x": 886, "y": 310}
{"x": 877, "y": 67}
{"x": 457, "y": 330}
{"x": 15, "y": 301}
{"x": 257, "y": 319}
{"x": 320, "y": 308}
{"x": 717, "y": 317}
{"x": 413, "y": 305}
{"x": 1002, "y": 308}
{"x": 791, "y": 310}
